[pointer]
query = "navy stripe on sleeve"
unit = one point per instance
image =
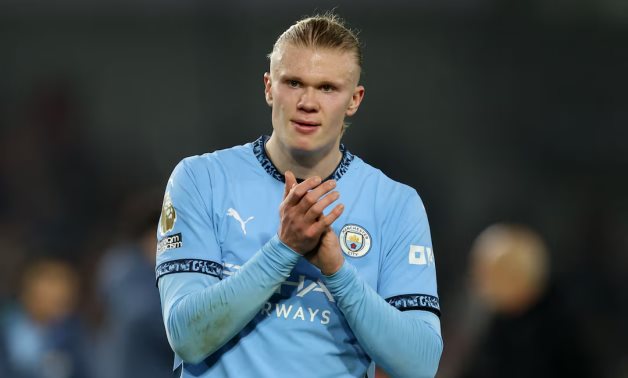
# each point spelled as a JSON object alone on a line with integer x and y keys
{"x": 415, "y": 302}
{"x": 189, "y": 265}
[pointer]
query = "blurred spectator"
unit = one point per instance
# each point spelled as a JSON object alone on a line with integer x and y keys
{"x": 13, "y": 255}
{"x": 133, "y": 342}
{"x": 513, "y": 322}
{"x": 509, "y": 269}
{"x": 41, "y": 333}
{"x": 4, "y": 361}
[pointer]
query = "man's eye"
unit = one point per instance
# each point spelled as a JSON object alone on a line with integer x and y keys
{"x": 293, "y": 83}
{"x": 327, "y": 88}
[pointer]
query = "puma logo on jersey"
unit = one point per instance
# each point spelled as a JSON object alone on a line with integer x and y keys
{"x": 233, "y": 213}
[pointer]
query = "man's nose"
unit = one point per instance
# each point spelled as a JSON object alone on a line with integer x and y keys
{"x": 307, "y": 101}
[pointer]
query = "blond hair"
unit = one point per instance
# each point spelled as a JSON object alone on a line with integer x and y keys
{"x": 325, "y": 30}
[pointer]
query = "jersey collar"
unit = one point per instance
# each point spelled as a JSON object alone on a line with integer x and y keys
{"x": 260, "y": 152}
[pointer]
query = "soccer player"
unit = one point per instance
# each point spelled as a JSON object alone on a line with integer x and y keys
{"x": 290, "y": 256}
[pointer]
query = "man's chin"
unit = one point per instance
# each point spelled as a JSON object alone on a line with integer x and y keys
{"x": 304, "y": 143}
{"x": 303, "y": 149}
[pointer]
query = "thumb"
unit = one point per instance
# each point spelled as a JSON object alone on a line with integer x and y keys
{"x": 290, "y": 182}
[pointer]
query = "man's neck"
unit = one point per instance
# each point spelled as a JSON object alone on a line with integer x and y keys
{"x": 302, "y": 164}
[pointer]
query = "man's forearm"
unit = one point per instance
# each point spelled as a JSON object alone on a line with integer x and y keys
{"x": 401, "y": 343}
{"x": 204, "y": 319}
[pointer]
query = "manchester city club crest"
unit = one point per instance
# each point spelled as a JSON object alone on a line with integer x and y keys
{"x": 355, "y": 241}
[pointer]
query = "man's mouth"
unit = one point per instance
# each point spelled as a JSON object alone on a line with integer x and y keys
{"x": 305, "y": 123}
{"x": 305, "y": 127}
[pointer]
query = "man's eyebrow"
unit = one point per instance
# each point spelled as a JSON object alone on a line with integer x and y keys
{"x": 333, "y": 83}
{"x": 290, "y": 77}
{"x": 287, "y": 75}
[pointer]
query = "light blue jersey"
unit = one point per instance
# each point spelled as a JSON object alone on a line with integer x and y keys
{"x": 220, "y": 209}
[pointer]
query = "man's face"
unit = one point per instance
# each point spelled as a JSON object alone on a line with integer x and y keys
{"x": 311, "y": 91}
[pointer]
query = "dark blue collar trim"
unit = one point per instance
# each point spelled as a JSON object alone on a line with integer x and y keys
{"x": 269, "y": 167}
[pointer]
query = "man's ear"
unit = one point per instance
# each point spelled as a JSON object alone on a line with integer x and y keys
{"x": 356, "y": 99}
{"x": 267, "y": 86}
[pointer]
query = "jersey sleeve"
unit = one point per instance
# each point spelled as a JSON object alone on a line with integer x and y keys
{"x": 408, "y": 273}
{"x": 201, "y": 310}
{"x": 186, "y": 236}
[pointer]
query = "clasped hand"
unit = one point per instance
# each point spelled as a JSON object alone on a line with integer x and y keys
{"x": 305, "y": 228}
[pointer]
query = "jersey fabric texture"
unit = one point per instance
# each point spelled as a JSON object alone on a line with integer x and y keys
{"x": 221, "y": 208}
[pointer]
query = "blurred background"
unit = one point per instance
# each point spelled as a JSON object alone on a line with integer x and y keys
{"x": 509, "y": 118}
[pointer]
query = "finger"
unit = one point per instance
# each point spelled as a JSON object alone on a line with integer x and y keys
{"x": 328, "y": 230}
{"x": 324, "y": 222}
{"x": 291, "y": 181}
{"x": 299, "y": 190}
{"x": 317, "y": 209}
{"x": 327, "y": 220}
{"x": 312, "y": 197}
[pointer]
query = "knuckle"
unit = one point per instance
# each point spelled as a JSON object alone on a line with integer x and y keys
{"x": 309, "y": 233}
{"x": 298, "y": 191}
{"x": 316, "y": 210}
{"x": 310, "y": 199}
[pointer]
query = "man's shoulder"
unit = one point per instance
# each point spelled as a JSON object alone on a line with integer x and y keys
{"x": 210, "y": 161}
{"x": 383, "y": 183}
